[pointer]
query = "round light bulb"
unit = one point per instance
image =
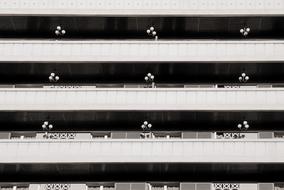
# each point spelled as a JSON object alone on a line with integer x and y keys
{"x": 245, "y": 122}
{"x": 152, "y": 28}
{"x": 154, "y": 33}
{"x": 152, "y": 77}
{"x": 50, "y": 78}
{"x": 248, "y": 29}
{"x": 57, "y": 78}
{"x": 63, "y": 32}
{"x": 50, "y": 126}
{"x": 146, "y": 78}
{"x": 149, "y": 74}
{"x": 246, "y": 126}
{"x": 57, "y": 32}
{"x": 45, "y": 123}
{"x": 52, "y": 74}
{"x": 58, "y": 27}
{"x": 240, "y": 78}
{"x": 241, "y": 30}
{"x": 149, "y": 125}
{"x": 148, "y": 31}
{"x": 145, "y": 123}
{"x": 239, "y": 126}
{"x": 43, "y": 126}
{"x": 247, "y": 77}
{"x": 245, "y": 33}
{"x": 143, "y": 126}
{"x": 243, "y": 74}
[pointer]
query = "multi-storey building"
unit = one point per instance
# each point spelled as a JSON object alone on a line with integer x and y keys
{"x": 141, "y": 95}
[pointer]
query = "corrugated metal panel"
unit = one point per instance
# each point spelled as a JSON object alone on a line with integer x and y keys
{"x": 142, "y": 7}
{"x": 142, "y": 99}
{"x": 113, "y": 51}
{"x": 126, "y": 150}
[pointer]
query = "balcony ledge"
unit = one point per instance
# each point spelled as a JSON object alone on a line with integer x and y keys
{"x": 142, "y": 151}
{"x": 137, "y": 51}
{"x": 142, "y": 7}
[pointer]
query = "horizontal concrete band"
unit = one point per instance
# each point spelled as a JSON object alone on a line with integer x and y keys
{"x": 262, "y": 99}
{"x": 147, "y": 50}
{"x": 141, "y": 7}
{"x": 135, "y": 151}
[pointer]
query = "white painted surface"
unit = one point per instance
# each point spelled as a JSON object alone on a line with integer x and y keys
{"x": 96, "y": 99}
{"x": 142, "y": 99}
{"x": 142, "y": 150}
{"x": 147, "y": 50}
{"x": 142, "y": 7}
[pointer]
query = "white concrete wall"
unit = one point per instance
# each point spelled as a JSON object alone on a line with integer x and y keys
{"x": 258, "y": 99}
{"x": 147, "y": 50}
{"x": 142, "y": 7}
{"x": 141, "y": 150}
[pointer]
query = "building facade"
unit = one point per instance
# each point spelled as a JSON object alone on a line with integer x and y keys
{"x": 141, "y": 95}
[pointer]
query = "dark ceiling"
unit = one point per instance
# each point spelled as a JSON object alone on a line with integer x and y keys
{"x": 189, "y": 172}
{"x": 165, "y": 72}
{"x": 135, "y": 27}
{"x": 132, "y": 120}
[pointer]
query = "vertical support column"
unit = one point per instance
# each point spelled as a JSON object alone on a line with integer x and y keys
{"x": 149, "y": 186}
